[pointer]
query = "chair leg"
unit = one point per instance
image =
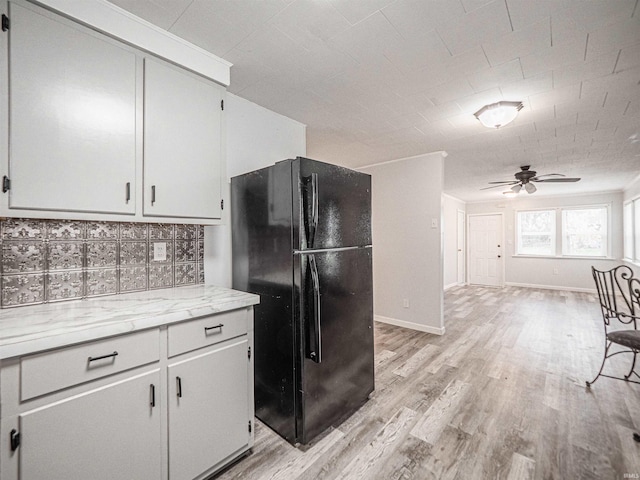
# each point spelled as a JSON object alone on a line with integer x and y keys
{"x": 606, "y": 350}
{"x": 633, "y": 366}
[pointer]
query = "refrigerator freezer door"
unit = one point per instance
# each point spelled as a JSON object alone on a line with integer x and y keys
{"x": 337, "y": 379}
{"x": 332, "y": 207}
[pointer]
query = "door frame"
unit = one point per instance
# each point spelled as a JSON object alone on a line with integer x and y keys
{"x": 502, "y": 237}
{"x": 464, "y": 247}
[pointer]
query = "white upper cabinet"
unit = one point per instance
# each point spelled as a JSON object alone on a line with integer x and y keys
{"x": 182, "y": 143}
{"x": 72, "y": 107}
{"x": 93, "y": 128}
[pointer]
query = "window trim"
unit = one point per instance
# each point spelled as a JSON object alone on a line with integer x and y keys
{"x": 635, "y": 230}
{"x": 631, "y": 204}
{"x": 559, "y": 232}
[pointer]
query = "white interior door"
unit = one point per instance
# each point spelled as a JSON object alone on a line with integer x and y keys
{"x": 485, "y": 250}
{"x": 460, "y": 246}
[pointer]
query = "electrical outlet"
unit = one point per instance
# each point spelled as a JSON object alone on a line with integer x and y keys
{"x": 159, "y": 251}
{"x": 405, "y": 303}
{"x": 434, "y": 223}
{"x": 556, "y": 271}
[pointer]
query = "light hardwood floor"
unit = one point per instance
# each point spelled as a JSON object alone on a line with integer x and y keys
{"x": 501, "y": 395}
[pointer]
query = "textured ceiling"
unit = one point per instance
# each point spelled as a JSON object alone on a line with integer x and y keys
{"x": 376, "y": 80}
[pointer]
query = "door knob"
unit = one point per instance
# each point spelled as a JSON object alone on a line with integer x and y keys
{"x": 499, "y": 256}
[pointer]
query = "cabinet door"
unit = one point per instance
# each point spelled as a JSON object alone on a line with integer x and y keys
{"x": 108, "y": 433}
{"x": 72, "y": 116}
{"x": 208, "y": 409}
{"x": 182, "y": 133}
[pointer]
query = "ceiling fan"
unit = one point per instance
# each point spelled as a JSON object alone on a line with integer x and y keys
{"x": 524, "y": 178}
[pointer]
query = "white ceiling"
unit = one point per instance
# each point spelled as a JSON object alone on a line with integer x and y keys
{"x": 376, "y": 80}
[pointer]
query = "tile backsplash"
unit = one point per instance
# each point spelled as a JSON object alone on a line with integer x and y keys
{"x": 54, "y": 260}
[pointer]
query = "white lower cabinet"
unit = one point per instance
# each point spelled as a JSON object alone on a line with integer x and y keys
{"x": 209, "y": 413}
{"x": 107, "y": 433}
{"x": 132, "y": 413}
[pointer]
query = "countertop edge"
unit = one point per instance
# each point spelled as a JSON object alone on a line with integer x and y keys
{"x": 91, "y": 332}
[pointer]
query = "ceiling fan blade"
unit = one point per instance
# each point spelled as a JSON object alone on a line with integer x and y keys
{"x": 504, "y": 182}
{"x": 501, "y": 185}
{"x": 547, "y": 175}
{"x": 558, "y": 180}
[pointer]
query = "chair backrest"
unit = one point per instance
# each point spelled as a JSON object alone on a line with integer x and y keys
{"x": 618, "y": 292}
{"x": 634, "y": 285}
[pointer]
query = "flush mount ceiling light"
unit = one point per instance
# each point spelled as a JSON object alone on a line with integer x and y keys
{"x": 498, "y": 114}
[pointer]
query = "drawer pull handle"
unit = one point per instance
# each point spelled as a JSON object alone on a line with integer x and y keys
{"x": 153, "y": 395}
{"x": 206, "y": 329}
{"x": 102, "y": 357}
{"x": 179, "y": 386}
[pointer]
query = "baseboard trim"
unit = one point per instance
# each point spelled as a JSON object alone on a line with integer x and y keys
{"x": 451, "y": 285}
{"x": 551, "y": 287}
{"x": 413, "y": 326}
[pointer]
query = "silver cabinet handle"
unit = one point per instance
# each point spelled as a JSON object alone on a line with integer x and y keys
{"x": 153, "y": 194}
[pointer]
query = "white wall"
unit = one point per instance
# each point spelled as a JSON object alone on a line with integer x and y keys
{"x": 450, "y": 207}
{"x": 407, "y": 251}
{"x": 573, "y": 273}
{"x": 255, "y": 138}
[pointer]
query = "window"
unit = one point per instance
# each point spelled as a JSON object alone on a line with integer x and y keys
{"x": 536, "y": 232}
{"x": 584, "y": 232}
{"x": 581, "y": 231}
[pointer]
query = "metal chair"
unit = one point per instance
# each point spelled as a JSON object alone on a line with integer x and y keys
{"x": 619, "y": 295}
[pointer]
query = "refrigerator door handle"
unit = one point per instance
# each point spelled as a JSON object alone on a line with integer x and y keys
{"x": 310, "y": 221}
{"x": 314, "y": 209}
{"x": 315, "y": 350}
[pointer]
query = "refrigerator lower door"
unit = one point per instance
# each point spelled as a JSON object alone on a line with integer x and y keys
{"x": 336, "y": 329}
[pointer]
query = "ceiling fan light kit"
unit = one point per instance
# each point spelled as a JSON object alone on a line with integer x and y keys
{"x": 498, "y": 114}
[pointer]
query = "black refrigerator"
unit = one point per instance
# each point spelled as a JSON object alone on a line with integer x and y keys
{"x": 301, "y": 234}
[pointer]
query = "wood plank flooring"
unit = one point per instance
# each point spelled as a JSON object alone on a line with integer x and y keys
{"x": 500, "y": 395}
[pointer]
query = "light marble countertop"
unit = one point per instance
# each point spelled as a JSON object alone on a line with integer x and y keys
{"x": 31, "y": 329}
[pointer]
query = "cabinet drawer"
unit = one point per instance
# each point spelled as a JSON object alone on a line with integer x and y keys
{"x": 187, "y": 336}
{"x": 51, "y": 371}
